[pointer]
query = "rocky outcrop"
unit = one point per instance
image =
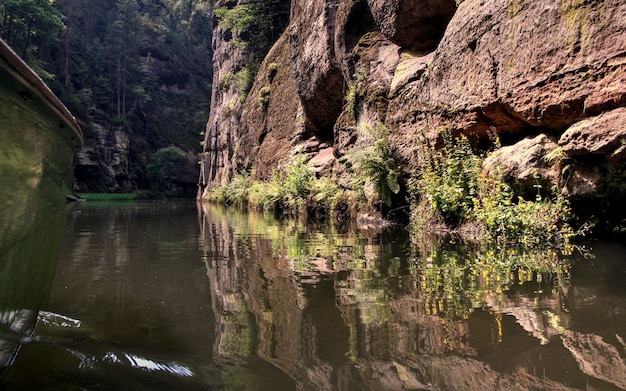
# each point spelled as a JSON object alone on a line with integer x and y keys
{"x": 584, "y": 137}
{"x": 548, "y": 78}
{"x": 103, "y": 163}
{"x": 265, "y": 142}
{"x": 221, "y": 129}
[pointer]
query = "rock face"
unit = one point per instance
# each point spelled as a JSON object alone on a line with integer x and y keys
{"x": 103, "y": 162}
{"x": 525, "y": 71}
{"x": 265, "y": 142}
{"x": 221, "y": 129}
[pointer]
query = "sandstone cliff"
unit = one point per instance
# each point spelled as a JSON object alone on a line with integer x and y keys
{"x": 547, "y": 77}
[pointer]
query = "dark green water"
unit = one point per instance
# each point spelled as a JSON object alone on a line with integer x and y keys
{"x": 175, "y": 296}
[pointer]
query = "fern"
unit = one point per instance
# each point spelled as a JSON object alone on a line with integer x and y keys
{"x": 376, "y": 164}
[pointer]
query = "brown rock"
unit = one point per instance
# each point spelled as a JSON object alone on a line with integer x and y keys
{"x": 413, "y": 24}
{"x": 514, "y": 68}
{"x": 222, "y": 126}
{"x": 269, "y": 133}
{"x": 600, "y": 135}
{"x": 487, "y": 75}
{"x": 375, "y": 60}
{"x": 354, "y": 20}
{"x": 525, "y": 164}
{"x": 584, "y": 181}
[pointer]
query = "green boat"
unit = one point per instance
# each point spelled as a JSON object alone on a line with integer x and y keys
{"x": 38, "y": 140}
{"x": 107, "y": 196}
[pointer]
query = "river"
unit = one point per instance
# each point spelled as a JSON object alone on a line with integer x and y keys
{"x": 180, "y": 296}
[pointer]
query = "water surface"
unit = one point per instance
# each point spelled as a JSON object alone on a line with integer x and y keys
{"x": 177, "y": 296}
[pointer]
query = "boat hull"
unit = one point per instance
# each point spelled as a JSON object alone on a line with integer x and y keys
{"x": 38, "y": 141}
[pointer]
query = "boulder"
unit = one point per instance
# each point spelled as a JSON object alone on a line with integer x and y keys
{"x": 604, "y": 134}
{"x": 525, "y": 164}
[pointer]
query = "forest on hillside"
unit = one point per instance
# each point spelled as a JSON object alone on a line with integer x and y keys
{"x": 140, "y": 67}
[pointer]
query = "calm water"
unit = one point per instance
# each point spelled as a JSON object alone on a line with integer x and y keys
{"x": 175, "y": 296}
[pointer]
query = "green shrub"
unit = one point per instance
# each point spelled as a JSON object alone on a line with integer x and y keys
{"x": 242, "y": 80}
{"x": 238, "y": 190}
{"x": 238, "y": 19}
{"x": 453, "y": 187}
{"x": 218, "y": 194}
{"x": 450, "y": 177}
{"x": 376, "y": 164}
{"x": 264, "y": 97}
{"x": 163, "y": 167}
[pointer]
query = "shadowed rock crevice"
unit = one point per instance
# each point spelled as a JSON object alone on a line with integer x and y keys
{"x": 413, "y": 24}
{"x": 354, "y": 20}
{"x": 318, "y": 77}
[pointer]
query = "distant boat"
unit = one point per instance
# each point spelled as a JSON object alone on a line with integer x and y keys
{"x": 38, "y": 140}
{"x": 107, "y": 196}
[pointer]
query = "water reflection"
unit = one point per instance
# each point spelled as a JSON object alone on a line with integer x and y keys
{"x": 187, "y": 297}
{"x": 26, "y": 271}
{"x": 358, "y": 310}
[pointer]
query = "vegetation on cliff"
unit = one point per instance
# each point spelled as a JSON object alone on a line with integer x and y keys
{"x": 452, "y": 192}
{"x": 448, "y": 194}
{"x": 255, "y": 27}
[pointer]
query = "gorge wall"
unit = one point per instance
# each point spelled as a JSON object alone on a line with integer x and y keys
{"x": 548, "y": 78}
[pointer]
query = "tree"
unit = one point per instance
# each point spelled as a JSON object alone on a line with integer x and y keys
{"x": 123, "y": 39}
{"x": 163, "y": 166}
{"x": 29, "y": 26}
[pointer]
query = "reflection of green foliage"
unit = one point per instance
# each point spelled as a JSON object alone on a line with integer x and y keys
{"x": 378, "y": 289}
{"x": 238, "y": 337}
{"x": 456, "y": 281}
{"x": 239, "y": 378}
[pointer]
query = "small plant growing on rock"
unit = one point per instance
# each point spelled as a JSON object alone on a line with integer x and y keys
{"x": 351, "y": 99}
{"x": 272, "y": 69}
{"x": 264, "y": 97}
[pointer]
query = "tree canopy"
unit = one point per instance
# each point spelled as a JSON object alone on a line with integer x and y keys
{"x": 143, "y": 66}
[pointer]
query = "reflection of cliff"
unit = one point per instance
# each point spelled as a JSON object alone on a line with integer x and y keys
{"x": 344, "y": 311}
